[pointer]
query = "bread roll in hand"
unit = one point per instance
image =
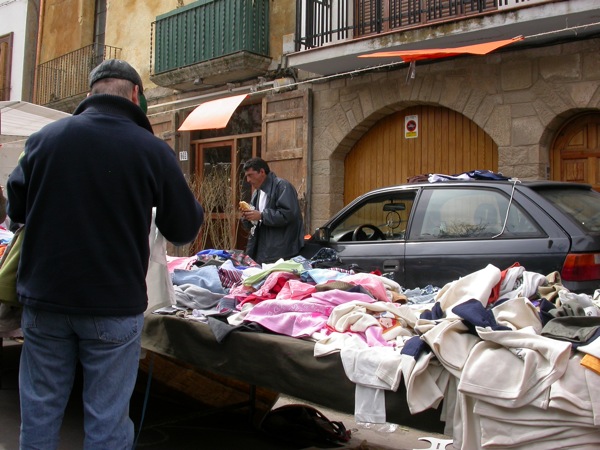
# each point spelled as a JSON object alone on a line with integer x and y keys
{"x": 245, "y": 206}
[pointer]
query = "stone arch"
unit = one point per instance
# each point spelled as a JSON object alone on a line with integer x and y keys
{"x": 549, "y": 135}
{"x": 444, "y": 141}
{"x": 346, "y": 109}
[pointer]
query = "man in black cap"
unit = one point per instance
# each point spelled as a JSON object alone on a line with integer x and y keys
{"x": 85, "y": 188}
{"x": 117, "y": 68}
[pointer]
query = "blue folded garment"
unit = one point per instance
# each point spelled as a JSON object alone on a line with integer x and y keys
{"x": 206, "y": 277}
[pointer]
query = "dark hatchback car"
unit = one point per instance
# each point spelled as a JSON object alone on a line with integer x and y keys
{"x": 434, "y": 233}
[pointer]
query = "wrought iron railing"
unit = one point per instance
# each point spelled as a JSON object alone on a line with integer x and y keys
{"x": 322, "y": 22}
{"x": 209, "y": 29}
{"x": 67, "y": 75}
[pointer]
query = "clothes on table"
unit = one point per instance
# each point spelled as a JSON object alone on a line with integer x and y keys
{"x": 479, "y": 348}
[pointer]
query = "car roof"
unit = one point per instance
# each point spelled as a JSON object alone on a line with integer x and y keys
{"x": 533, "y": 184}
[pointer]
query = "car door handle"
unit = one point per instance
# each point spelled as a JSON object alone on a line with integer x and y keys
{"x": 391, "y": 265}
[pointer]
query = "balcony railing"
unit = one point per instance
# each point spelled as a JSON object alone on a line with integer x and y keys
{"x": 321, "y": 22}
{"x": 209, "y": 29}
{"x": 67, "y": 75}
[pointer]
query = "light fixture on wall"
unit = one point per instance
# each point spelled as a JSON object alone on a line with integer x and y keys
{"x": 283, "y": 84}
{"x": 277, "y": 85}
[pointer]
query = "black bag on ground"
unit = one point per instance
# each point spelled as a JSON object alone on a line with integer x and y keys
{"x": 304, "y": 426}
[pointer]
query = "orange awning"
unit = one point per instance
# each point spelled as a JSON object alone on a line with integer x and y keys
{"x": 213, "y": 114}
{"x": 433, "y": 53}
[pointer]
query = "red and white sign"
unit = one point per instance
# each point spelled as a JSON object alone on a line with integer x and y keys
{"x": 411, "y": 127}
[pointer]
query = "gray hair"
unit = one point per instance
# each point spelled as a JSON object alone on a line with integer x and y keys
{"x": 113, "y": 86}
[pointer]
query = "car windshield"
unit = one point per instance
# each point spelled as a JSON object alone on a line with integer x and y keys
{"x": 387, "y": 213}
{"x": 581, "y": 204}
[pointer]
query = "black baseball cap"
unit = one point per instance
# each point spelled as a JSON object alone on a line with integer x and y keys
{"x": 117, "y": 68}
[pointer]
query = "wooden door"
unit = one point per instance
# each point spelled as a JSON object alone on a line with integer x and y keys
{"x": 215, "y": 185}
{"x": 5, "y": 65}
{"x": 286, "y": 134}
{"x": 575, "y": 154}
{"x": 414, "y": 141}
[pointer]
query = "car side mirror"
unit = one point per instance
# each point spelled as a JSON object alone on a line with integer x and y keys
{"x": 322, "y": 235}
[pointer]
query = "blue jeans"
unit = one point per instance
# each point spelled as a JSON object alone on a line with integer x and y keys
{"x": 108, "y": 348}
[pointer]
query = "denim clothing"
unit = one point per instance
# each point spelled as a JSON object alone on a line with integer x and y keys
{"x": 108, "y": 348}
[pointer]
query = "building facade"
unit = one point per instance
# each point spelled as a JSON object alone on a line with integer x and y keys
{"x": 18, "y": 44}
{"x": 539, "y": 106}
{"x": 332, "y": 122}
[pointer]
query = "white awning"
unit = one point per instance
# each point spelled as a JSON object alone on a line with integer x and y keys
{"x": 18, "y": 118}
{"x": 213, "y": 114}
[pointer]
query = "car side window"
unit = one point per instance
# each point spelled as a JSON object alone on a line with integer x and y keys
{"x": 472, "y": 213}
{"x": 382, "y": 217}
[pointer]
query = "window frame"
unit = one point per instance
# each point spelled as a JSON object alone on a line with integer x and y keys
{"x": 429, "y": 204}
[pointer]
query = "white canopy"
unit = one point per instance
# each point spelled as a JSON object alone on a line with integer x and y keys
{"x": 18, "y": 118}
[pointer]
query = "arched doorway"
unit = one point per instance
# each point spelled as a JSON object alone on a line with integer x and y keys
{"x": 417, "y": 140}
{"x": 575, "y": 154}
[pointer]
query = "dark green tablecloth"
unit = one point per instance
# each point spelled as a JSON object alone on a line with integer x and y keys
{"x": 277, "y": 362}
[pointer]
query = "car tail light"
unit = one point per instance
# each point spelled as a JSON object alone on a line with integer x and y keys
{"x": 581, "y": 267}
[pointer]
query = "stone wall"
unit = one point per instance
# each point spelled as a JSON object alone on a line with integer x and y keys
{"x": 520, "y": 98}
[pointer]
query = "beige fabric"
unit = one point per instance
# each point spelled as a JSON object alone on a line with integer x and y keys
{"x": 535, "y": 363}
{"x": 477, "y": 285}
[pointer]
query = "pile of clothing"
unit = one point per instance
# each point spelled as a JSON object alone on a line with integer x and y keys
{"x": 511, "y": 356}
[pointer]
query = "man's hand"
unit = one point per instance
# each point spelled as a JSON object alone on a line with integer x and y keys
{"x": 253, "y": 215}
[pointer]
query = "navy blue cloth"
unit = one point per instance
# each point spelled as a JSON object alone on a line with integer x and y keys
{"x": 486, "y": 175}
{"x": 474, "y": 314}
{"x": 545, "y": 308}
{"x": 415, "y": 347}
{"x": 434, "y": 314}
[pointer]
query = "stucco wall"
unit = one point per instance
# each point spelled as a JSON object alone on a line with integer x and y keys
{"x": 282, "y": 22}
{"x": 134, "y": 35}
{"x": 128, "y": 27}
{"x": 65, "y": 27}
{"x": 520, "y": 98}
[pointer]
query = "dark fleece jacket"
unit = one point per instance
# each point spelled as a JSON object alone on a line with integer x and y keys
{"x": 280, "y": 233}
{"x": 85, "y": 187}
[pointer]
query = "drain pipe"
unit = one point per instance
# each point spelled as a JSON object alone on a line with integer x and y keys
{"x": 38, "y": 50}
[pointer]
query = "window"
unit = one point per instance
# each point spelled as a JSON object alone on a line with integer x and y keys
{"x": 472, "y": 214}
{"x": 580, "y": 204}
{"x": 99, "y": 31}
{"x": 377, "y": 218}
